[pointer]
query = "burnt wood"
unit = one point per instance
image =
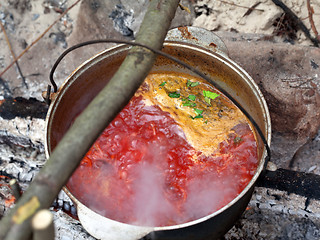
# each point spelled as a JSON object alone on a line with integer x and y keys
{"x": 303, "y": 184}
{"x": 22, "y": 107}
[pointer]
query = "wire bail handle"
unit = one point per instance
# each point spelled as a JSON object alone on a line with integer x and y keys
{"x": 208, "y": 44}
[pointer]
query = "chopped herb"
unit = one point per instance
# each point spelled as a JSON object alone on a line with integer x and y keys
{"x": 189, "y": 104}
{"x": 237, "y": 139}
{"x": 210, "y": 94}
{"x": 198, "y": 111}
{"x": 192, "y": 84}
{"x": 198, "y": 116}
{"x": 162, "y": 84}
{"x": 192, "y": 97}
{"x": 206, "y": 121}
{"x": 174, "y": 95}
{"x": 208, "y": 100}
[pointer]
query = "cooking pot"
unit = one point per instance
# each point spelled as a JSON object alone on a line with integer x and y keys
{"x": 201, "y": 49}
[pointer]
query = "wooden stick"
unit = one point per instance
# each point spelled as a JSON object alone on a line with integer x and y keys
{"x": 13, "y": 55}
{"x": 42, "y": 225}
{"x": 91, "y": 122}
{"x": 310, "y": 15}
{"x": 240, "y": 6}
{"x": 16, "y": 190}
{"x": 295, "y": 18}
{"x": 38, "y": 38}
{"x": 253, "y": 7}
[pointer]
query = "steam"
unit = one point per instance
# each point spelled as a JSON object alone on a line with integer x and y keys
{"x": 152, "y": 178}
{"x": 150, "y": 201}
{"x": 150, "y": 205}
{"x": 154, "y": 205}
{"x": 205, "y": 196}
{"x": 152, "y": 208}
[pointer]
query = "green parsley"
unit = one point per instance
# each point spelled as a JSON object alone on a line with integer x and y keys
{"x": 162, "y": 84}
{"x": 237, "y": 139}
{"x": 198, "y": 116}
{"x": 198, "y": 111}
{"x": 192, "y": 84}
{"x": 192, "y": 97}
{"x": 210, "y": 94}
{"x": 208, "y": 100}
{"x": 189, "y": 104}
{"x": 174, "y": 95}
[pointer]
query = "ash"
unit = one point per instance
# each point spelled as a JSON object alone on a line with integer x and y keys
{"x": 21, "y": 157}
{"x": 271, "y": 214}
{"x": 274, "y": 214}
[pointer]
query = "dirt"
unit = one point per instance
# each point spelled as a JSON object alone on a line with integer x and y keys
{"x": 265, "y": 19}
{"x": 26, "y": 20}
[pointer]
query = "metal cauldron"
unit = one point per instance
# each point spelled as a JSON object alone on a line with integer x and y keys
{"x": 206, "y": 52}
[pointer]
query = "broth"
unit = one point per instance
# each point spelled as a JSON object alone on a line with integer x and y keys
{"x": 178, "y": 151}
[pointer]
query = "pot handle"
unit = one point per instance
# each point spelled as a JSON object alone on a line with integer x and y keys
{"x": 200, "y": 37}
{"x": 193, "y": 35}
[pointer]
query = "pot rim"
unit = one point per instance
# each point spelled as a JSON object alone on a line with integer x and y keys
{"x": 222, "y": 57}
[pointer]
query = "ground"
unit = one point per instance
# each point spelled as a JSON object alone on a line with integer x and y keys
{"x": 280, "y": 58}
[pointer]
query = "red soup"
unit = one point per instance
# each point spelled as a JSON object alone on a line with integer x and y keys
{"x": 178, "y": 151}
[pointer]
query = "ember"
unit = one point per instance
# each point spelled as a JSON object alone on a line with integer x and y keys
{"x": 5, "y": 191}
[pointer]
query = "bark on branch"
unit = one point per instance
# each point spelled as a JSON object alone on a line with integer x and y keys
{"x": 93, "y": 120}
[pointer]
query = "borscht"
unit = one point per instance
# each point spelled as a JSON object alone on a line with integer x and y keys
{"x": 179, "y": 150}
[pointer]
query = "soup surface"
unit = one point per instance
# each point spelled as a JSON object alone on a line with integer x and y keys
{"x": 178, "y": 151}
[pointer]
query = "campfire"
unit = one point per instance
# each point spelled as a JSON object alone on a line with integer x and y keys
{"x": 286, "y": 199}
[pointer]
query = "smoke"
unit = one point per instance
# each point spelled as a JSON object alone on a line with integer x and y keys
{"x": 150, "y": 207}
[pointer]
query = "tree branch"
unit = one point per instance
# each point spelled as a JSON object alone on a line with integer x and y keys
{"x": 313, "y": 27}
{"x": 93, "y": 120}
{"x": 38, "y": 38}
{"x": 299, "y": 23}
{"x": 13, "y": 55}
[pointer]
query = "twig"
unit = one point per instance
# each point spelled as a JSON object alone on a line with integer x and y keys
{"x": 253, "y": 7}
{"x": 42, "y": 225}
{"x": 16, "y": 190}
{"x": 91, "y": 122}
{"x": 13, "y": 55}
{"x": 240, "y": 6}
{"x": 38, "y": 38}
{"x": 310, "y": 15}
{"x": 5, "y": 87}
{"x": 280, "y": 22}
{"x": 295, "y": 18}
{"x": 184, "y": 8}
